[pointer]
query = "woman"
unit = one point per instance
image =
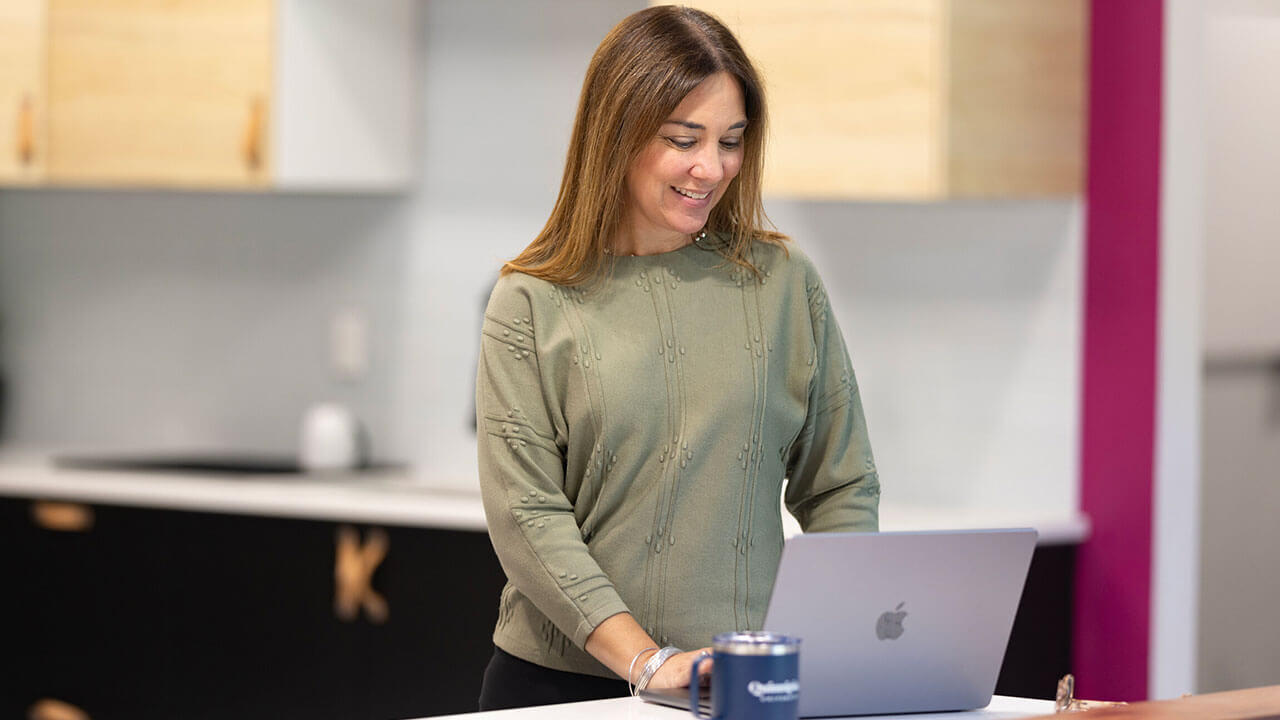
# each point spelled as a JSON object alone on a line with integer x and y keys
{"x": 652, "y": 367}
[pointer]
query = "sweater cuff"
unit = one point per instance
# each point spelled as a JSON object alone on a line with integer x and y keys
{"x": 603, "y": 604}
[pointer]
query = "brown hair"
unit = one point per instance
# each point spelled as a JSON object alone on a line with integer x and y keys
{"x": 642, "y": 70}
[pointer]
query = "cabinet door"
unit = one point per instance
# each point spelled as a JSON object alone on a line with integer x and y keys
{"x": 151, "y": 92}
{"x": 918, "y": 99}
{"x": 853, "y": 91}
{"x": 429, "y": 656}
{"x": 22, "y": 47}
{"x": 51, "y": 617}
{"x": 250, "y": 613}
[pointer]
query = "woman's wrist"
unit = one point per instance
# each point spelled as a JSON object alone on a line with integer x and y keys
{"x": 618, "y": 641}
{"x": 631, "y": 670}
{"x": 652, "y": 666}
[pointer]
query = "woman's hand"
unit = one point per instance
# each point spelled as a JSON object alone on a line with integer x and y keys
{"x": 674, "y": 673}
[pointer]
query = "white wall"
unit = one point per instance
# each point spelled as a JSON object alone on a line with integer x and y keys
{"x": 177, "y": 320}
{"x": 1240, "y": 577}
{"x": 963, "y": 320}
{"x": 1242, "y": 306}
{"x": 1176, "y": 502}
{"x": 172, "y": 320}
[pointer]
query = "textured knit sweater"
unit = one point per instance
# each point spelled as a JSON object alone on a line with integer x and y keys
{"x": 634, "y": 440}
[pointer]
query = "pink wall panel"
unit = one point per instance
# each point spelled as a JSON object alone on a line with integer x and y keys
{"x": 1113, "y": 581}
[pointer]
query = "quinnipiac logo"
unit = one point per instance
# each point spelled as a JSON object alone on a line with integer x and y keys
{"x": 774, "y": 692}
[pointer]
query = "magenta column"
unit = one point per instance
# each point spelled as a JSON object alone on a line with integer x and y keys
{"x": 1122, "y": 265}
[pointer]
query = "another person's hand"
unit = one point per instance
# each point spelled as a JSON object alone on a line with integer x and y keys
{"x": 674, "y": 673}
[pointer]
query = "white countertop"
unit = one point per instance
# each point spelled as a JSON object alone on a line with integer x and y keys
{"x": 403, "y": 498}
{"x": 1003, "y": 708}
{"x": 392, "y": 498}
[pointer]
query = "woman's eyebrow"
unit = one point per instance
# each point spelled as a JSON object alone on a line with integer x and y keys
{"x": 697, "y": 126}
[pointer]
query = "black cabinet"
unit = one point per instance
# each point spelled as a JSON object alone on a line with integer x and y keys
{"x": 156, "y": 613}
{"x": 162, "y": 613}
{"x": 1039, "y": 651}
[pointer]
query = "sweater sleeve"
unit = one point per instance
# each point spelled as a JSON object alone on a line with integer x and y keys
{"x": 520, "y": 436}
{"x": 832, "y": 482}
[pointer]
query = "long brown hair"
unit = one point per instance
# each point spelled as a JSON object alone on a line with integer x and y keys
{"x": 640, "y": 73}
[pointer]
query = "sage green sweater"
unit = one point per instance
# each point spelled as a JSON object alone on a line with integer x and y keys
{"x": 634, "y": 439}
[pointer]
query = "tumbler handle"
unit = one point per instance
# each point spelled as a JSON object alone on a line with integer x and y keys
{"x": 694, "y": 691}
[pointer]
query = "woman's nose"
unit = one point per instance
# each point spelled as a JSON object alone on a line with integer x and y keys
{"x": 708, "y": 166}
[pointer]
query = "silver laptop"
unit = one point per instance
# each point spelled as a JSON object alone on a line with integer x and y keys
{"x": 896, "y": 622}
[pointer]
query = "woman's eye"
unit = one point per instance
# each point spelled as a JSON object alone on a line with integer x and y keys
{"x": 731, "y": 143}
{"x": 682, "y": 143}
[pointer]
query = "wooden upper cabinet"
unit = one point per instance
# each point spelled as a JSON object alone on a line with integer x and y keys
{"x": 219, "y": 94}
{"x": 171, "y": 92}
{"x": 918, "y": 99}
{"x": 22, "y": 90}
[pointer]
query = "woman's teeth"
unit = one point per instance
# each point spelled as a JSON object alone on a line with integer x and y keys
{"x": 691, "y": 194}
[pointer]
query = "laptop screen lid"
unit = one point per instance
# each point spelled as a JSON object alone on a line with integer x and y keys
{"x": 899, "y": 622}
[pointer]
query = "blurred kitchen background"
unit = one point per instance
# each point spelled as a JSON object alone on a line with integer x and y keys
{"x": 177, "y": 320}
{"x": 153, "y": 320}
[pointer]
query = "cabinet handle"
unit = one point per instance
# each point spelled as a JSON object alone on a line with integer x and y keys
{"x": 50, "y": 709}
{"x": 353, "y": 568}
{"x": 27, "y": 131}
{"x": 254, "y": 129}
{"x": 62, "y": 516}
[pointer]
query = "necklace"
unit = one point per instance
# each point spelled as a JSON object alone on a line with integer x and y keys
{"x": 693, "y": 240}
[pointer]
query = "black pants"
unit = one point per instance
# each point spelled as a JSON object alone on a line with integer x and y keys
{"x": 510, "y": 682}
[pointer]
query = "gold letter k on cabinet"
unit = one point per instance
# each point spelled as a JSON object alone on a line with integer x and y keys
{"x": 353, "y": 568}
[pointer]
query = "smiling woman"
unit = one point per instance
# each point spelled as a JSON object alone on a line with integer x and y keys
{"x": 665, "y": 78}
{"x": 653, "y": 367}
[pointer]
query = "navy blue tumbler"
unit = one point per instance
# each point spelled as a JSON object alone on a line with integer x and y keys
{"x": 756, "y": 676}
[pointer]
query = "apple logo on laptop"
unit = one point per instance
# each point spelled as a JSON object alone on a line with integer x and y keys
{"x": 889, "y": 626}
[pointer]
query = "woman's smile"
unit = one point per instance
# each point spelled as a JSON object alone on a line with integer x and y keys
{"x": 692, "y": 194}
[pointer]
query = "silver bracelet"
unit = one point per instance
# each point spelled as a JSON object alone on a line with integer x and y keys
{"x": 630, "y": 687}
{"x": 651, "y": 667}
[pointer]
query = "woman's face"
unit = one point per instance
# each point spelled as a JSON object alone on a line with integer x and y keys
{"x": 683, "y": 172}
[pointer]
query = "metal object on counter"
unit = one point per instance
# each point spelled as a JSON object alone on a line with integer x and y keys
{"x": 1065, "y": 700}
